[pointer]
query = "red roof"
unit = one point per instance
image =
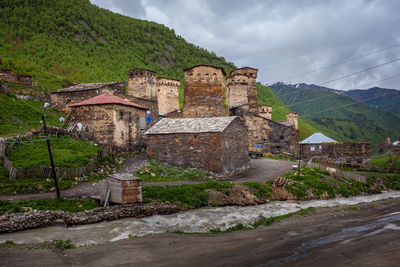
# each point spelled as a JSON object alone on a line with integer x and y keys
{"x": 106, "y": 99}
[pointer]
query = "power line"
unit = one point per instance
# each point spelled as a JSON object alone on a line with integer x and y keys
{"x": 361, "y": 71}
{"x": 342, "y": 62}
{"x": 333, "y": 94}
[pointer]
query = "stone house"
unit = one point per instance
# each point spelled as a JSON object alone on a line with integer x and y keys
{"x": 7, "y": 76}
{"x": 62, "y": 98}
{"x": 110, "y": 121}
{"x": 217, "y": 144}
{"x": 325, "y": 149}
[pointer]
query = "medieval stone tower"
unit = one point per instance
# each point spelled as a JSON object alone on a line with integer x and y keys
{"x": 204, "y": 92}
{"x": 265, "y": 112}
{"x": 242, "y": 88}
{"x": 167, "y": 95}
{"x": 142, "y": 84}
{"x": 293, "y": 118}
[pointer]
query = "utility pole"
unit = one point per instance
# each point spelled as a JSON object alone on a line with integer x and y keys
{"x": 299, "y": 165}
{"x": 53, "y": 168}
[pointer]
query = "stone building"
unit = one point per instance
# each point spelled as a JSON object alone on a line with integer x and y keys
{"x": 292, "y": 118}
{"x": 276, "y": 137}
{"x": 110, "y": 121}
{"x": 242, "y": 88}
{"x": 204, "y": 94}
{"x": 60, "y": 99}
{"x": 325, "y": 149}
{"x": 7, "y": 76}
{"x": 142, "y": 84}
{"x": 210, "y": 144}
{"x": 265, "y": 112}
{"x": 167, "y": 95}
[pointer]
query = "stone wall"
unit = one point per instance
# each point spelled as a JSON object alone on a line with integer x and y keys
{"x": 276, "y": 137}
{"x": 351, "y": 154}
{"x": 42, "y": 218}
{"x": 265, "y": 112}
{"x": 293, "y": 119}
{"x": 204, "y": 92}
{"x": 61, "y": 100}
{"x": 221, "y": 153}
{"x": 7, "y": 76}
{"x": 142, "y": 84}
{"x": 151, "y": 105}
{"x": 167, "y": 95}
{"x": 114, "y": 127}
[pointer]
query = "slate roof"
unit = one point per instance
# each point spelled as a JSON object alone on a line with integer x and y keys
{"x": 85, "y": 86}
{"x": 318, "y": 138}
{"x": 106, "y": 99}
{"x": 191, "y": 125}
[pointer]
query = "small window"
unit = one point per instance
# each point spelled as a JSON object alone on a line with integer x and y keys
{"x": 312, "y": 148}
{"x": 121, "y": 115}
{"x": 320, "y": 148}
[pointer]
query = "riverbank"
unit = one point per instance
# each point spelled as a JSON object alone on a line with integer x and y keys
{"x": 355, "y": 228}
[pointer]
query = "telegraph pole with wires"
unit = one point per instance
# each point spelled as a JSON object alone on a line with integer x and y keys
{"x": 53, "y": 169}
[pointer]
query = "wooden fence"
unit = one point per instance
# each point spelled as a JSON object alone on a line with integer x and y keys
{"x": 339, "y": 173}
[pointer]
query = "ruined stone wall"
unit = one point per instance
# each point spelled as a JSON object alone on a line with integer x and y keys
{"x": 201, "y": 151}
{"x": 204, "y": 92}
{"x": 7, "y": 76}
{"x": 114, "y": 127}
{"x": 235, "y": 151}
{"x": 167, "y": 95}
{"x": 276, "y": 137}
{"x": 351, "y": 154}
{"x": 237, "y": 87}
{"x": 142, "y": 84}
{"x": 61, "y": 100}
{"x": 252, "y": 98}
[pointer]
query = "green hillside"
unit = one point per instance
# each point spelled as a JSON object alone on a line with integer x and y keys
{"x": 381, "y": 98}
{"x": 63, "y": 41}
{"x": 279, "y": 110}
{"x": 339, "y": 116}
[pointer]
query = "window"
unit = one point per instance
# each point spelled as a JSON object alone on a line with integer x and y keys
{"x": 320, "y": 148}
{"x": 312, "y": 148}
{"x": 121, "y": 115}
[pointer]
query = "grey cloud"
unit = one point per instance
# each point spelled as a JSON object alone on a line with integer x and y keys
{"x": 285, "y": 38}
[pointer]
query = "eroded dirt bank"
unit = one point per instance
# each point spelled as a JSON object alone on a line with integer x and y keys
{"x": 367, "y": 235}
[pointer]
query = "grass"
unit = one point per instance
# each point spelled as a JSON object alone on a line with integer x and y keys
{"x": 159, "y": 172}
{"x": 70, "y": 205}
{"x": 20, "y": 116}
{"x": 42, "y": 184}
{"x": 67, "y": 152}
{"x": 383, "y": 161}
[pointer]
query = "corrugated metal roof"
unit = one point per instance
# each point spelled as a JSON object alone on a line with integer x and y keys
{"x": 191, "y": 125}
{"x": 317, "y": 138}
{"x": 85, "y": 86}
{"x": 106, "y": 99}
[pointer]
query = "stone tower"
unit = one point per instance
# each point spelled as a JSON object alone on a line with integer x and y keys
{"x": 293, "y": 118}
{"x": 265, "y": 112}
{"x": 204, "y": 92}
{"x": 237, "y": 90}
{"x": 250, "y": 88}
{"x": 142, "y": 84}
{"x": 167, "y": 95}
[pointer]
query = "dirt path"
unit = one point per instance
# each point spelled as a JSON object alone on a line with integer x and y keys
{"x": 366, "y": 235}
{"x": 260, "y": 170}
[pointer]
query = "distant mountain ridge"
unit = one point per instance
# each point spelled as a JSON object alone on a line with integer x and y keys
{"x": 376, "y": 97}
{"x": 339, "y": 116}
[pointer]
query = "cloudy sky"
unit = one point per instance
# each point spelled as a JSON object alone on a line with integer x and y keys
{"x": 287, "y": 38}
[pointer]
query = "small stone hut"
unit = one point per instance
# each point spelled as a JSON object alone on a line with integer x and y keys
{"x": 60, "y": 99}
{"x": 110, "y": 121}
{"x": 217, "y": 144}
{"x": 7, "y": 76}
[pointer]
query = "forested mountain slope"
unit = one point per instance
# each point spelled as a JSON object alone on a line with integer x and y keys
{"x": 62, "y": 41}
{"x": 339, "y": 116}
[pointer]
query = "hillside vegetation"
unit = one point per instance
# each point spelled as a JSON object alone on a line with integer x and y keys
{"x": 279, "y": 110}
{"x": 63, "y": 41}
{"x": 339, "y": 116}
